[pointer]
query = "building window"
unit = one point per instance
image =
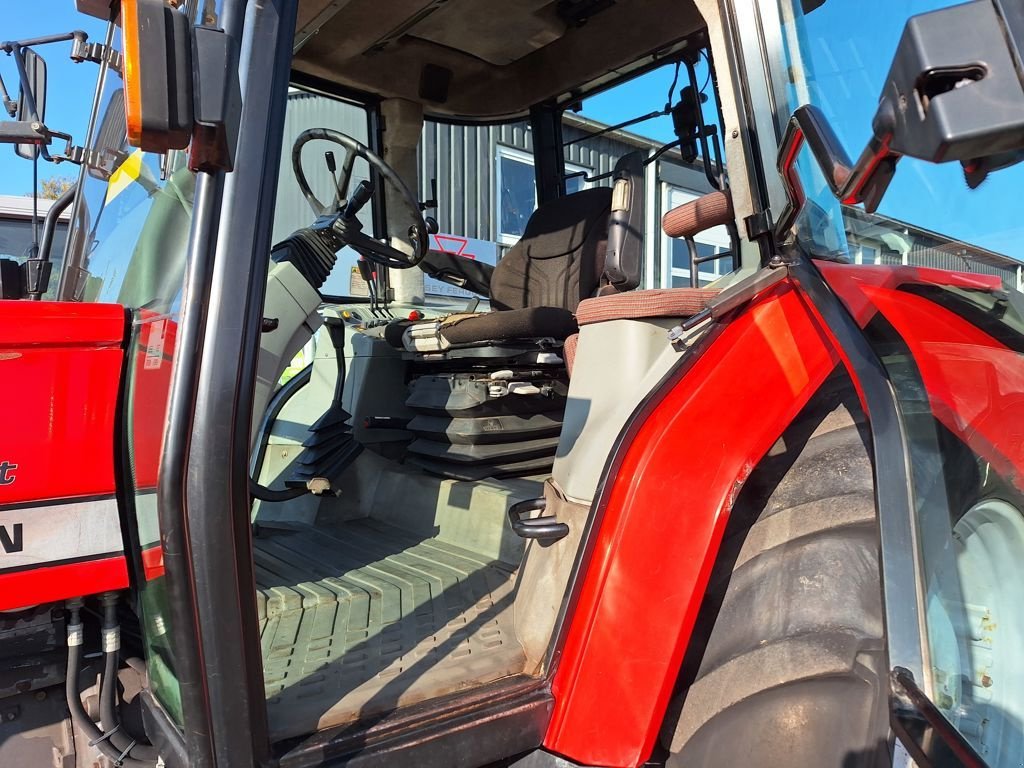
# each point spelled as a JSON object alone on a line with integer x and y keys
{"x": 517, "y": 191}
{"x": 675, "y": 254}
{"x": 865, "y": 254}
{"x": 576, "y": 183}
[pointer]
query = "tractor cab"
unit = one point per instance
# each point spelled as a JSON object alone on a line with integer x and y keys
{"x": 491, "y": 388}
{"x": 469, "y": 291}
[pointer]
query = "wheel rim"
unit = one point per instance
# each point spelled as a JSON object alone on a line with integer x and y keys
{"x": 989, "y": 547}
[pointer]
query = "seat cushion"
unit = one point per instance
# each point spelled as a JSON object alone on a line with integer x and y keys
{"x": 525, "y": 323}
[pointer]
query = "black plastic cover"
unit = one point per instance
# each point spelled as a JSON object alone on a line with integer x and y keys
{"x": 954, "y": 91}
{"x": 100, "y": 9}
{"x": 216, "y": 100}
{"x": 311, "y": 251}
{"x": 470, "y": 274}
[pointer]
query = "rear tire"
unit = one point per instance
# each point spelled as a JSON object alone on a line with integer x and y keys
{"x": 789, "y": 666}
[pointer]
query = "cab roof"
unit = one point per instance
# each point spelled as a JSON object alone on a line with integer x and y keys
{"x": 485, "y": 59}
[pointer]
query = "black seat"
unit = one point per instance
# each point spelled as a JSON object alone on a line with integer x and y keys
{"x": 489, "y": 390}
{"x": 571, "y": 249}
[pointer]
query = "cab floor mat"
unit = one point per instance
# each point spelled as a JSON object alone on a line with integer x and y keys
{"x": 368, "y": 618}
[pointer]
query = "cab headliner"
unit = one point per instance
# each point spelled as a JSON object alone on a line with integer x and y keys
{"x": 484, "y": 59}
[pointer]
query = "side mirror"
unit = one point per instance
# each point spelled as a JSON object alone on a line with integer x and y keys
{"x": 32, "y": 99}
{"x": 954, "y": 92}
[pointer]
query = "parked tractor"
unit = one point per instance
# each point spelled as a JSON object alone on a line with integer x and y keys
{"x": 626, "y": 504}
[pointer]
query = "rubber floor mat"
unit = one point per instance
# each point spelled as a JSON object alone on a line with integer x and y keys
{"x": 371, "y": 618}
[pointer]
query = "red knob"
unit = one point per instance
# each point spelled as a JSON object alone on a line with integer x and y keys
{"x": 415, "y": 315}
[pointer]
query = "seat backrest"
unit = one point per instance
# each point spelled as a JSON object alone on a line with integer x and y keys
{"x": 560, "y": 258}
{"x": 624, "y": 257}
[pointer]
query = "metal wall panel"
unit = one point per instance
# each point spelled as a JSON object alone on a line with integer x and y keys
{"x": 939, "y": 259}
{"x": 308, "y": 110}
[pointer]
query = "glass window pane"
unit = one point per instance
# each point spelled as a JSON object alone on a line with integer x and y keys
{"x": 838, "y": 57}
{"x": 649, "y": 92}
{"x": 16, "y": 241}
{"x": 518, "y": 195}
{"x": 680, "y": 254}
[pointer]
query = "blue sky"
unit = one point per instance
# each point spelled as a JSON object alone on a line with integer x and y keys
{"x": 70, "y": 85}
{"x": 642, "y": 95}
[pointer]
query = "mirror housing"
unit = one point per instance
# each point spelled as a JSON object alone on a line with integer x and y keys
{"x": 32, "y": 99}
{"x": 181, "y": 85}
{"x": 955, "y": 89}
{"x": 954, "y": 92}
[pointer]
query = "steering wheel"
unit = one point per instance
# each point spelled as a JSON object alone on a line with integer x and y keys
{"x": 340, "y": 216}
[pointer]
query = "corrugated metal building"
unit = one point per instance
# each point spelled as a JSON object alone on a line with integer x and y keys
{"x": 485, "y": 191}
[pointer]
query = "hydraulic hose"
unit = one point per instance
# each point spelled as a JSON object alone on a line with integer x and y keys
{"x": 79, "y": 718}
{"x": 109, "y": 718}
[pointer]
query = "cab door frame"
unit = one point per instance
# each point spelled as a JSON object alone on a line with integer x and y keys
{"x": 202, "y": 491}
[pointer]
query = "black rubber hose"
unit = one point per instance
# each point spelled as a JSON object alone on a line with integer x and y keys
{"x": 108, "y": 697}
{"x": 79, "y": 718}
{"x": 263, "y": 493}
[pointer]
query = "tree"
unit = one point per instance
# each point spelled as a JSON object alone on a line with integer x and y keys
{"x": 54, "y": 187}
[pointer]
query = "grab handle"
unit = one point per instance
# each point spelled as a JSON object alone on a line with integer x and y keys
{"x": 546, "y": 528}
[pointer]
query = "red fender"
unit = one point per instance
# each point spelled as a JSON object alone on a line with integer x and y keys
{"x": 975, "y": 384}
{"x": 660, "y": 519}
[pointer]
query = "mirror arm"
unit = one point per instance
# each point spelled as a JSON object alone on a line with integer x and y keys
{"x": 11, "y": 45}
{"x": 864, "y": 182}
{"x": 10, "y": 104}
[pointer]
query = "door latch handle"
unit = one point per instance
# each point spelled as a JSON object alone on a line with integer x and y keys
{"x": 546, "y": 528}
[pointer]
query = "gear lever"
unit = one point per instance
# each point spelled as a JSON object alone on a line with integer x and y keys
{"x": 332, "y": 167}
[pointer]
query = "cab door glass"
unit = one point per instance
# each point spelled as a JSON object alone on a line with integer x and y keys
{"x": 952, "y": 345}
{"x": 127, "y": 245}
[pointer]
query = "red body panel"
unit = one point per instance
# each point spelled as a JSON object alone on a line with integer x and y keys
{"x": 60, "y": 367}
{"x": 154, "y": 349}
{"x": 152, "y": 561}
{"x": 59, "y": 582}
{"x": 662, "y": 515}
{"x": 848, "y": 281}
{"x": 60, "y": 371}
